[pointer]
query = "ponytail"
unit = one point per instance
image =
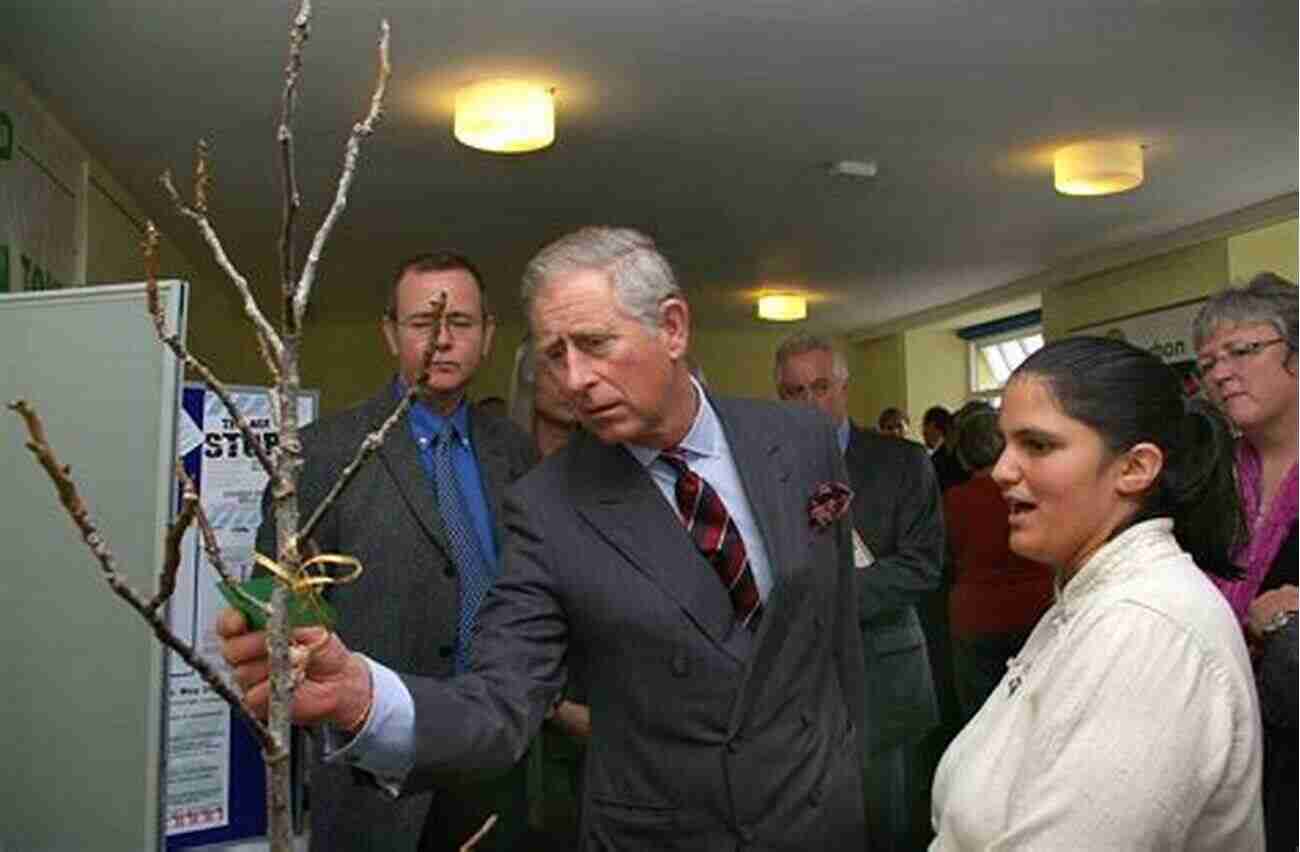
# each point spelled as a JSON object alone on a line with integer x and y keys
{"x": 1198, "y": 489}
{"x": 1130, "y": 396}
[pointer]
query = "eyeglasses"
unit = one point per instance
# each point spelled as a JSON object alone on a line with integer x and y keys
{"x": 817, "y": 389}
{"x": 1233, "y": 352}
{"x": 422, "y": 325}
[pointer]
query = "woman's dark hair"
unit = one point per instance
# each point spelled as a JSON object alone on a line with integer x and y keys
{"x": 1129, "y": 396}
{"x": 975, "y": 436}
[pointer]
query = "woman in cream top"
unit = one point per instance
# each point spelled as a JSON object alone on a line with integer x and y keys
{"x": 1128, "y": 721}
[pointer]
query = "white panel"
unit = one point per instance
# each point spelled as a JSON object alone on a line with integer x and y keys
{"x": 80, "y": 726}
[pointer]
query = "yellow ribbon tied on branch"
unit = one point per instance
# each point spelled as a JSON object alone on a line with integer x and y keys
{"x": 306, "y": 605}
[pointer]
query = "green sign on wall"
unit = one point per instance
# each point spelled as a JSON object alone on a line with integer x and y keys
{"x": 6, "y": 136}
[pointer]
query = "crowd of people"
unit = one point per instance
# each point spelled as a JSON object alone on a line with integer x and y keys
{"x": 629, "y": 612}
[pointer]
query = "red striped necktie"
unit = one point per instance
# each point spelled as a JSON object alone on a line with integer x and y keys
{"x": 717, "y": 537}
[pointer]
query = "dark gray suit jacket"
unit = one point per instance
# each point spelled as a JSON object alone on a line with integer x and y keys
{"x": 403, "y": 611}
{"x": 898, "y": 513}
{"x": 704, "y": 736}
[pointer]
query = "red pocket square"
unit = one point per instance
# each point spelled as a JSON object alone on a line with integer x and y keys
{"x": 829, "y": 502}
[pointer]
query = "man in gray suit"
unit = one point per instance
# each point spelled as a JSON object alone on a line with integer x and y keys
{"x": 406, "y": 609}
{"x": 725, "y": 713}
{"x": 898, "y": 553}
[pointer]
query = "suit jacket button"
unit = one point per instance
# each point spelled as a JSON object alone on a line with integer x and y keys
{"x": 450, "y": 570}
{"x": 733, "y": 746}
{"x": 445, "y": 651}
{"x": 680, "y": 667}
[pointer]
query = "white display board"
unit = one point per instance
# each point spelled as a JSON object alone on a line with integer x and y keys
{"x": 80, "y": 726}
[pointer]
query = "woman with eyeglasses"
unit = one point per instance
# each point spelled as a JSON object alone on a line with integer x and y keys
{"x": 1128, "y": 720}
{"x": 1246, "y": 353}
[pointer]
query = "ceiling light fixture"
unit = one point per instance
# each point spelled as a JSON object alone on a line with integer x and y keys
{"x": 1098, "y": 168}
{"x": 861, "y": 169}
{"x": 505, "y": 116}
{"x": 782, "y": 307}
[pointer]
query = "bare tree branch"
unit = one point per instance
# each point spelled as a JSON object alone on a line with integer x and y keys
{"x": 360, "y": 130}
{"x": 280, "y": 351}
{"x": 202, "y": 177}
{"x": 173, "y": 342}
{"x": 375, "y": 439}
{"x": 468, "y": 845}
{"x": 60, "y": 475}
{"x": 200, "y": 218}
{"x": 298, "y": 36}
{"x": 172, "y": 546}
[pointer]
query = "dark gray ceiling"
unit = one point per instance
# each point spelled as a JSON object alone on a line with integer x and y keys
{"x": 706, "y": 123}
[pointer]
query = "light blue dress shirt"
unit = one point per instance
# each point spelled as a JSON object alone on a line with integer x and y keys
{"x": 385, "y": 746}
{"x": 709, "y": 455}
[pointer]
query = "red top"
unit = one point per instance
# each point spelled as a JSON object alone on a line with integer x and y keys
{"x": 993, "y": 589}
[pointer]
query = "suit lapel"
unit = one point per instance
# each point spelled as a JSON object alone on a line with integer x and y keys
{"x": 765, "y": 463}
{"x": 493, "y": 464}
{"x": 764, "y": 471}
{"x": 623, "y": 505}
{"x": 401, "y": 458}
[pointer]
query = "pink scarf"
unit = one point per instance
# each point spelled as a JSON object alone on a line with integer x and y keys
{"x": 1267, "y": 527}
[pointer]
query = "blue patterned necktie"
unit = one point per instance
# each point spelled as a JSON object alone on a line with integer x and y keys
{"x": 471, "y": 566}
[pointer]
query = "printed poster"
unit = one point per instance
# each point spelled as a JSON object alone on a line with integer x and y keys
{"x": 230, "y": 482}
{"x": 1166, "y": 333}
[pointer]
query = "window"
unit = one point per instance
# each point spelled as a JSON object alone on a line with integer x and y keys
{"x": 997, "y": 348}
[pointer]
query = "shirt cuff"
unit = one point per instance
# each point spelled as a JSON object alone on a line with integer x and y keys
{"x": 385, "y": 745}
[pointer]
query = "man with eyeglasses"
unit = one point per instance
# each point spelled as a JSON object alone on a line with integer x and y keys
{"x": 423, "y": 517}
{"x": 898, "y": 553}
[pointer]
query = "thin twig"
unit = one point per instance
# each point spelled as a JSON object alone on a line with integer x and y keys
{"x": 206, "y": 533}
{"x": 202, "y": 177}
{"x": 251, "y": 310}
{"x": 173, "y": 342}
{"x": 468, "y": 845}
{"x": 360, "y": 130}
{"x": 172, "y": 546}
{"x": 67, "y": 491}
{"x": 298, "y": 35}
{"x": 375, "y": 439}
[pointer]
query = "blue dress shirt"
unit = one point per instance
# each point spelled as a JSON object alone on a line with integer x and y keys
{"x": 426, "y": 426}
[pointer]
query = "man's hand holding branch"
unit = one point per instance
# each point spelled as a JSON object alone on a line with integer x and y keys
{"x": 335, "y": 687}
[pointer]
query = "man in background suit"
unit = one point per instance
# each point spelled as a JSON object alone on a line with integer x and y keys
{"x": 406, "y": 608}
{"x": 934, "y": 430}
{"x": 898, "y": 539}
{"x": 721, "y": 718}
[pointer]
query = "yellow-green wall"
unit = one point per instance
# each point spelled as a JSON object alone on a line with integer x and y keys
{"x": 878, "y": 380}
{"x": 937, "y": 372}
{"x": 1270, "y": 249}
{"x": 739, "y": 361}
{"x": 1179, "y": 276}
